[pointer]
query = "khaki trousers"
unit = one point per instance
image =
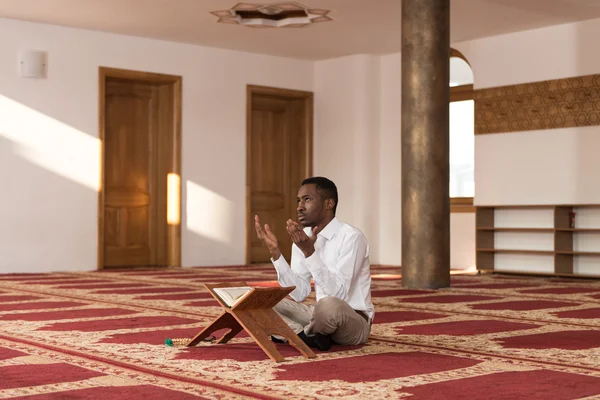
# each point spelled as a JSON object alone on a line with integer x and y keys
{"x": 330, "y": 316}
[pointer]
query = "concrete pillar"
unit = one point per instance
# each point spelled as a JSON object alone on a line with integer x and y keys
{"x": 425, "y": 143}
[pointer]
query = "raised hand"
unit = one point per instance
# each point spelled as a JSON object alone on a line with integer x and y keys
{"x": 268, "y": 238}
{"x": 301, "y": 239}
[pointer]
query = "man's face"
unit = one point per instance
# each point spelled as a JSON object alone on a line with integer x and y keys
{"x": 310, "y": 207}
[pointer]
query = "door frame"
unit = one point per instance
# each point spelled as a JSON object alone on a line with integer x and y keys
{"x": 173, "y": 230}
{"x": 290, "y": 94}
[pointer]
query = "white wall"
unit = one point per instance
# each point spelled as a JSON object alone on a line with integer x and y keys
{"x": 390, "y": 162}
{"x": 49, "y": 149}
{"x": 49, "y": 160}
{"x": 551, "y": 166}
{"x": 368, "y": 168}
{"x": 347, "y": 138}
{"x": 462, "y": 240}
{"x": 556, "y": 166}
{"x": 536, "y": 167}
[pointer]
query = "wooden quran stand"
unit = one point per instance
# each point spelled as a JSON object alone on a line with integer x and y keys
{"x": 254, "y": 313}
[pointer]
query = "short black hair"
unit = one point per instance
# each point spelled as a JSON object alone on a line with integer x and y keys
{"x": 325, "y": 187}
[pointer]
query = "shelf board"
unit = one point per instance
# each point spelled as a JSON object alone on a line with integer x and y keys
{"x": 541, "y": 252}
{"x": 533, "y": 230}
{"x": 536, "y": 273}
{"x": 511, "y": 251}
{"x": 523, "y": 207}
{"x": 534, "y": 206}
{"x": 580, "y": 253}
{"x": 582, "y": 230}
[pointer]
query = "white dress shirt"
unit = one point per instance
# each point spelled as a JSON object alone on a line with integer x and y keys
{"x": 339, "y": 266}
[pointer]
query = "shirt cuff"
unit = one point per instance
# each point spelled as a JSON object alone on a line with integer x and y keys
{"x": 281, "y": 266}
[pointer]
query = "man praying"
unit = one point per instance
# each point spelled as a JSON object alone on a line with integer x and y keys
{"x": 336, "y": 256}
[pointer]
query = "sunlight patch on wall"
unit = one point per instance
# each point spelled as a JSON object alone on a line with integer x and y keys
{"x": 173, "y": 199}
{"x": 209, "y": 214}
{"x": 51, "y": 144}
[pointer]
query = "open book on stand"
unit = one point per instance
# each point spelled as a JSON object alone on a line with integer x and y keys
{"x": 232, "y": 295}
{"x": 250, "y": 309}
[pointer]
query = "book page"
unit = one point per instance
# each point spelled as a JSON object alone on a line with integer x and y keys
{"x": 231, "y": 295}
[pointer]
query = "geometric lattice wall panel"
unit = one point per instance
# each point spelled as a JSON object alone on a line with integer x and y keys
{"x": 560, "y": 103}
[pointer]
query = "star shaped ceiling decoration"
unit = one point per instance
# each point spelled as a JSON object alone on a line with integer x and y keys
{"x": 277, "y": 15}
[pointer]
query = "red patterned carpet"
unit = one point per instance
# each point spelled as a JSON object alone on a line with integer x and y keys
{"x": 101, "y": 335}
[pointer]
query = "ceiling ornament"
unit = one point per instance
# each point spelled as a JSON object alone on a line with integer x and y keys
{"x": 277, "y": 15}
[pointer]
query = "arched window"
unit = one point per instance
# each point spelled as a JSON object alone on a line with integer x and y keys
{"x": 462, "y": 133}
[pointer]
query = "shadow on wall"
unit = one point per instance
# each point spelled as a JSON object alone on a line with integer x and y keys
{"x": 49, "y": 204}
{"x": 49, "y": 171}
{"x": 208, "y": 219}
{"x": 51, "y": 144}
{"x": 48, "y": 220}
{"x": 39, "y": 100}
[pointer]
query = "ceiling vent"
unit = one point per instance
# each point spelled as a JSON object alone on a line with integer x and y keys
{"x": 278, "y": 15}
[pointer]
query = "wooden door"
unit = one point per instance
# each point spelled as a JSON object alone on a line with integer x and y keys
{"x": 132, "y": 198}
{"x": 140, "y": 196}
{"x": 279, "y": 158}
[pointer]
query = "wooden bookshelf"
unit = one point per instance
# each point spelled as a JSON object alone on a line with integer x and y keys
{"x": 564, "y": 224}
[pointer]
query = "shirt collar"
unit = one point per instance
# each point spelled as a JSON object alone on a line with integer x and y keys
{"x": 330, "y": 230}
